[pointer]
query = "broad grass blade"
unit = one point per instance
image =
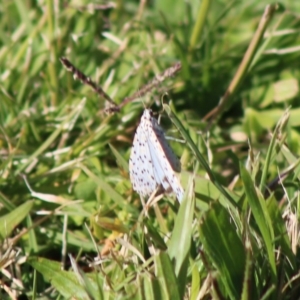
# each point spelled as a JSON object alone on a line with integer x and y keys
{"x": 167, "y": 277}
{"x": 223, "y": 245}
{"x": 9, "y": 221}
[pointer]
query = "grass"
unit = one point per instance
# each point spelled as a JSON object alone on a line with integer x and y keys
{"x": 70, "y": 223}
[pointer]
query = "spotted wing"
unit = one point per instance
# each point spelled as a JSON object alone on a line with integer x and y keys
{"x": 164, "y": 161}
{"x": 140, "y": 164}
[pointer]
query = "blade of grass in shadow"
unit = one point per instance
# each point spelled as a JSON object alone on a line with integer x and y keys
{"x": 261, "y": 216}
{"x": 198, "y": 155}
{"x": 245, "y": 64}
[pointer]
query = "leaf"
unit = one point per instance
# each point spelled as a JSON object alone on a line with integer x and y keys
{"x": 85, "y": 189}
{"x": 285, "y": 89}
{"x": 65, "y": 282}
{"x": 9, "y": 221}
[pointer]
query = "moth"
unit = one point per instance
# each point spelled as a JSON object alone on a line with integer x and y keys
{"x": 152, "y": 162}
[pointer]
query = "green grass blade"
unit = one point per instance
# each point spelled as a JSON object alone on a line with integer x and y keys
{"x": 281, "y": 123}
{"x": 261, "y": 216}
{"x": 179, "y": 244}
{"x": 167, "y": 277}
{"x": 148, "y": 289}
{"x": 248, "y": 291}
{"x": 200, "y": 21}
{"x": 223, "y": 245}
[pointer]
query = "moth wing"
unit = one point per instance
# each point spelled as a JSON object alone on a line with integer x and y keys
{"x": 140, "y": 165}
{"x": 166, "y": 149}
{"x": 163, "y": 166}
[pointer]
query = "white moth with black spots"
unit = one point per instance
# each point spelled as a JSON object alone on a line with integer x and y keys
{"x": 152, "y": 163}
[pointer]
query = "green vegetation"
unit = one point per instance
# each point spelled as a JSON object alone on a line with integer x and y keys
{"x": 65, "y": 195}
